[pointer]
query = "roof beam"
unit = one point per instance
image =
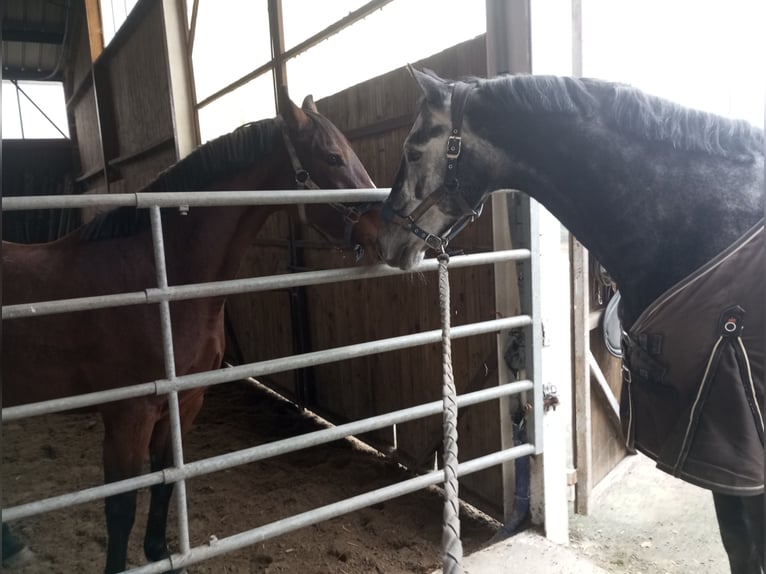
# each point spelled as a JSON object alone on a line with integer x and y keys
{"x": 19, "y": 32}
{"x": 29, "y": 74}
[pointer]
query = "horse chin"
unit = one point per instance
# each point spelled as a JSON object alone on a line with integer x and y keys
{"x": 409, "y": 257}
{"x": 402, "y": 254}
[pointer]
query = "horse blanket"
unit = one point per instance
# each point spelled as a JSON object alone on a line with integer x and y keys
{"x": 693, "y": 373}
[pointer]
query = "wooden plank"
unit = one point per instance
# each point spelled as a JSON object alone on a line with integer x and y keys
{"x": 95, "y": 28}
{"x": 581, "y": 375}
{"x": 606, "y": 394}
{"x": 608, "y": 442}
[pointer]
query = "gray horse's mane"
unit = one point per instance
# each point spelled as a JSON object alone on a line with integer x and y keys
{"x": 629, "y": 110}
{"x": 213, "y": 160}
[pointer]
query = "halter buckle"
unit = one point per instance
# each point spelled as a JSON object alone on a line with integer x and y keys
{"x": 352, "y": 215}
{"x": 453, "y": 147}
{"x": 436, "y": 243}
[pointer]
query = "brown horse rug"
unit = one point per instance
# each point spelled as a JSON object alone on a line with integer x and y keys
{"x": 693, "y": 373}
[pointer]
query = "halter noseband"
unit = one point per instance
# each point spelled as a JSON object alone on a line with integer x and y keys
{"x": 350, "y": 213}
{"x": 460, "y": 93}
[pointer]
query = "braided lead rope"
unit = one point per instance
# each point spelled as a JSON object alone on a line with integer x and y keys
{"x": 452, "y": 546}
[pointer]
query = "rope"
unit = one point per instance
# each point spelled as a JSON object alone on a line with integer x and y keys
{"x": 452, "y": 547}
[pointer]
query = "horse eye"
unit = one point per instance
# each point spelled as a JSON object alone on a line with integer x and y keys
{"x": 414, "y": 155}
{"x": 334, "y": 159}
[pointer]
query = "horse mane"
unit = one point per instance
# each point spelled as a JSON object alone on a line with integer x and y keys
{"x": 226, "y": 154}
{"x": 632, "y": 111}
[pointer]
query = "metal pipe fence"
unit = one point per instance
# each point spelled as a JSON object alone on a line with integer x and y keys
{"x": 260, "y": 452}
{"x": 163, "y": 294}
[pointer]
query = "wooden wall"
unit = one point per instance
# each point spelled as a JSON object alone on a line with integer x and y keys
{"x": 119, "y": 103}
{"x": 376, "y": 116}
{"x": 24, "y": 174}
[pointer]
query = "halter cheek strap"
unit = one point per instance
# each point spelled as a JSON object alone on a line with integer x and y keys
{"x": 350, "y": 213}
{"x": 449, "y": 188}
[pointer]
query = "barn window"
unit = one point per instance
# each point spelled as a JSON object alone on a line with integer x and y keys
{"x": 713, "y": 63}
{"x": 34, "y": 110}
{"x": 228, "y": 44}
{"x": 251, "y": 102}
{"x": 113, "y": 15}
{"x": 369, "y": 48}
{"x": 232, "y": 55}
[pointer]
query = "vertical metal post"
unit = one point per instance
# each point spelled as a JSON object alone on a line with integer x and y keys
{"x": 180, "y": 77}
{"x": 277, "y": 33}
{"x": 511, "y": 34}
{"x": 508, "y": 50}
{"x": 170, "y": 373}
{"x": 18, "y": 103}
{"x": 580, "y": 305}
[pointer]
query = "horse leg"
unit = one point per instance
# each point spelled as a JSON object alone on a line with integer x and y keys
{"x": 740, "y": 521}
{"x": 15, "y": 552}
{"x": 161, "y": 456}
{"x": 126, "y": 440}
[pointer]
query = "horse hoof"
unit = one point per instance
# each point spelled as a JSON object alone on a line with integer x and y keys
{"x": 19, "y": 559}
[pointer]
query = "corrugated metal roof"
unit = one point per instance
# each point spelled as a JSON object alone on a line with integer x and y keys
{"x": 33, "y": 35}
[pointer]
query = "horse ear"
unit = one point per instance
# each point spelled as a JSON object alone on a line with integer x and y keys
{"x": 435, "y": 89}
{"x": 309, "y": 105}
{"x": 292, "y": 114}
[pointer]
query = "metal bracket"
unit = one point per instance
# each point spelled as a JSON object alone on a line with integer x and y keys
{"x": 550, "y": 397}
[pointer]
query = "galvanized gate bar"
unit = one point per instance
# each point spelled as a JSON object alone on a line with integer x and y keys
{"x": 196, "y": 198}
{"x": 249, "y": 285}
{"x": 279, "y": 527}
{"x": 171, "y": 385}
{"x": 258, "y": 369}
{"x": 168, "y": 354}
{"x": 260, "y": 452}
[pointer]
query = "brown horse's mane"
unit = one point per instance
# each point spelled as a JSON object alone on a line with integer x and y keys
{"x": 222, "y": 156}
{"x": 629, "y": 110}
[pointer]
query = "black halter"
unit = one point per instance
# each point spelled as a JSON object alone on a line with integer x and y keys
{"x": 350, "y": 213}
{"x": 450, "y": 187}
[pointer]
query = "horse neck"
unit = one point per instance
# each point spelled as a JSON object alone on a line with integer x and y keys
{"x": 209, "y": 243}
{"x": 649, "y": 213}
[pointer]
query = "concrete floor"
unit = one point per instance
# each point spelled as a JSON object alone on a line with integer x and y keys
{"x": 644, "y": 522}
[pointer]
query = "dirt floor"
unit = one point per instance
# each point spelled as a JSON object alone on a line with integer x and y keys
{"x": 643, "y": 522}
{"x": 58, "y": 453}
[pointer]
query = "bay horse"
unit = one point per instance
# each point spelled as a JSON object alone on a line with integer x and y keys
{"x": 44, "y": 358}
{"x": 670, "y": 201}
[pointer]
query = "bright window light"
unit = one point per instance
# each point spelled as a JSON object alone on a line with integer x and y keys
{"x": 303, "y": 19}
{"x": 229, "y": 43}
{"x": 705, "y": 55}
{"x": 253, "y": 101}
{"x": 113, "y": 15}
{"x": 25, "y": 110}
{"x": 385, "y": 40}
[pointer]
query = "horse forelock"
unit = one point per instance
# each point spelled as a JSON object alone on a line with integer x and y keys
{"x": 213, "y": 160}
{"x": 630, "y": 111}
